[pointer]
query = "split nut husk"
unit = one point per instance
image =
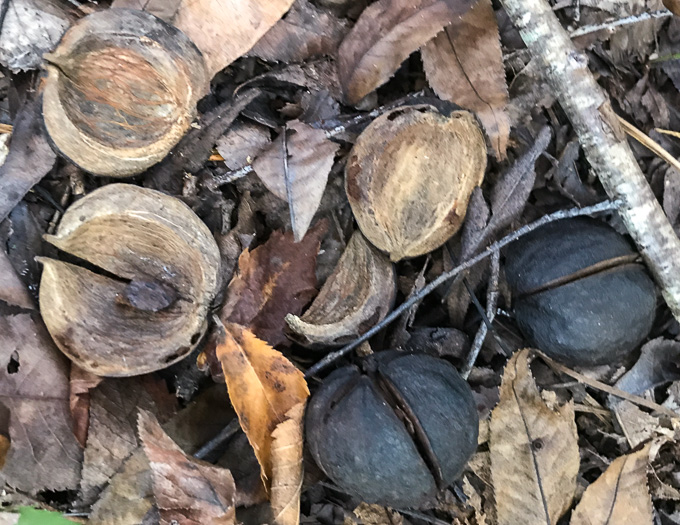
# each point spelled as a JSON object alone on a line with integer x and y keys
{"x": 356, "y": 296}
{"x": 138, "y": 296}
{"x": 580, "y": 292}
{"x": 121, "y": 90}
{"x": 394, "y": 432}
{"x": 410, "y": 175}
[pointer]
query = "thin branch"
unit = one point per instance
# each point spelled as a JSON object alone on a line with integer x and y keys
{"x": 491, "y": 301}
{"x": 603, "y": 140}
{"x": 495, "y": 247}
{"x": 612, "y": 24}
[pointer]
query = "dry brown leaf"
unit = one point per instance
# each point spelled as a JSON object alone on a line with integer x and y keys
{"x": 377, "y": 515}
{"x": 619, "y": 496}
{"x": 673, "y": 6}
{"x": 358, "y": 294}
{"x": 44, "y": 452}
{"x": 263, "y": 386}
{"x": 464, "y": 64}
{"x": 273, "y": 280}
{"x": 534, "y": 450}
{"x": 310, "y": 157}
{"x": 223, "y": 30}
{"x": 80, "y": 384}
{"x": 387, "y": 32}
{"x": 287, "y": 468}
{"x": 187, "y": 490}
{"x": 12, "y": 290}
{"x": 306, "y": 31}
{"x": 242, "y": 143}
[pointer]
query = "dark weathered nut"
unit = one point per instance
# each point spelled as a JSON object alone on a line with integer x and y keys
{"x": 121, "y": 90}
{"x": 395, "y": 433}
{"x": 580, "y": 293}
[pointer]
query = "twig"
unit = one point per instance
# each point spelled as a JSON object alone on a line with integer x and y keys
{"x": 495, "y": 247}
{"x": 611, "y": 24}
{"x": 603, "y": 140}
{"x": 225, "y": 434}
{"x": 491, "y": 301}
{"x": 649, "y": 143}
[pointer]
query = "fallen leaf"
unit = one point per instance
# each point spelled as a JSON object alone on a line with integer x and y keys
{"x": 356, "y": 296}
{"x": 242, "y": 144}
{"x": 385, "y": 34}
{"x": 273, "y": 280}
{"x": 223, "y": 30}
{"x": 12, "y": 290}
{"x": 309, "y": 159}
{"x": 673, "y": 6}
{"x": 534, "y": 450}
{"x": 464, "y": 64}
{"x": 377, "y": 515}
{"x": 619, "y": 496}
{"x": 263, "y": 386}
{"x": 112, "y": 434}
{"x": 287, "y": 468}
{"x": 187, "y": 490}
{"x": 306, "y": 31}
{"x": 34, "y": 387}
{"x": 30, "y": 158}
{"x": 29, "y": 29}
{"x": 80, "y": 384}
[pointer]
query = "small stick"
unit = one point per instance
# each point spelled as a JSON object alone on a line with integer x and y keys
{"x": 611, "y": 24}
{"x": 649, "y": 143}
{"x": 494, "y": 247}
{"x": 491, "y": 301}
{"x": 225, "y": 434}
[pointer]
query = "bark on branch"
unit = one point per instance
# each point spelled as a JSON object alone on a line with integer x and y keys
{"x": 603, "y": 140}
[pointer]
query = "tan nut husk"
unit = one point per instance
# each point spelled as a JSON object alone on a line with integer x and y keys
{"x": 410, "y": 175}
{"x": 144, "y": 306}
{"x": 121, "y": 90}
{"x": 356, "y": 296}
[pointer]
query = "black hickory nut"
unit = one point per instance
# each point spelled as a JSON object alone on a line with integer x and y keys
{"x": 394, "y": 432}
{"x": 580, "y": 292}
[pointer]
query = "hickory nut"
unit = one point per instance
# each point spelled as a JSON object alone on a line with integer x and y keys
{"x": 580, "y": 293}
{"x": 396, "y": 432}
{"x": 121, "y": 90}
{"x": 410, "y": 175}
{"x": 141, "y": 302}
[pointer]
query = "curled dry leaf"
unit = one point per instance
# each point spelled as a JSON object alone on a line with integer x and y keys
{"x": 144, "y": 306}
{"x": 464, "y": 64}
{"x": 121, "y": 91}
{"x": 187, "y": 490}
{"x": 287, "y": 469}
{"x": 534, "y": 450}
{"x": 387, "y": 32}
{"x": 410, "y": 175}
{"x": 358, "y": 294}
{"x": 273, "y": 280}
{"x": 263, "y": 386}
{"x": 301, "y": 179}
{"x": 223, "y": 30}
{"x": 619, "y": 496}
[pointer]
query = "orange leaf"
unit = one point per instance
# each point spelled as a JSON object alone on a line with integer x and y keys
{"x": 263, "y": 386}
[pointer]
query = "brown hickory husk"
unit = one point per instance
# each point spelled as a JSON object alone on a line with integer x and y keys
{"x": 121, "y": 90}
{"x": 358, "y": 294}
{"x": 141, "y": 302}
{"x": 410, "y": 175}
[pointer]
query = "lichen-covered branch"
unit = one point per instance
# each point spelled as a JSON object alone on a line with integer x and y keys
{"x": 603, "y": 140}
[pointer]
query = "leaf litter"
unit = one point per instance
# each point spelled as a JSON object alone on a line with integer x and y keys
{"x": 277, "y": 117}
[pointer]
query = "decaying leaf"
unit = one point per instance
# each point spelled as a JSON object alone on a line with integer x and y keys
{"x": 357, "y": 295}
{"x": 309, "y": 158}
{"x": 263, "y": 386}
{"x": 187, "y": 490}
{"x": 377, "y": 515}
{"x": 410, "y": 175}
{"x": 673, "y": 6}
{"x": 464, "y": 64}
{"x": 306, "y": 31}
{"x": 80, "y": 384}
{"x": 534, "y": 450}
{"x": 29, "y": 29}
{"x": 34, "y": 388}
{"x": 619, "y": 496}
{"x": 222, "y": 29}
{"x": 287, "y": 471}
{"x": 273, "y": 280}
{"x": 387, "y": 32}
{"x": 242, "y": 144}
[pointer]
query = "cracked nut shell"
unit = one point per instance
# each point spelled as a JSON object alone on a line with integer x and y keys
{"x": 395, "y": 433}
{"x": 410, "y": 175}
{"x": 121, "y": 90}
{"x": 580, "y": 293}
{"x": 136, "y": 298}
